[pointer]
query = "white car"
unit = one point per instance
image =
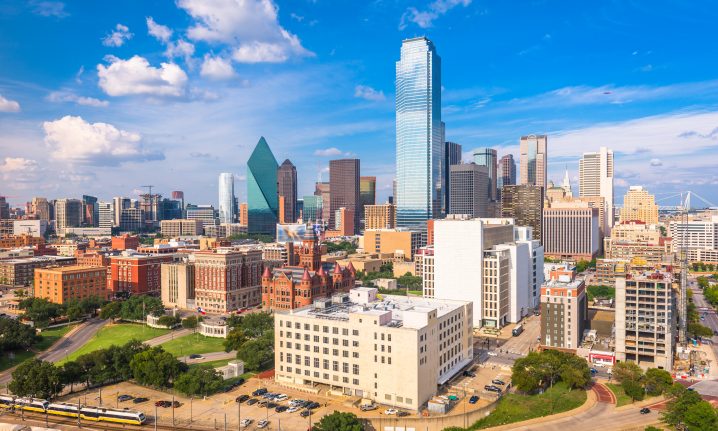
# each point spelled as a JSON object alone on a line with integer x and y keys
{"x": 293, "y": 409}
{"x": 390, "y": 411}
{"x": 493, "y": 354}
{"x": 296, "y": 402}
{"x": 281, "y": 397}
{"x": 245, "y": 422}
{"x": 262, "y": 424}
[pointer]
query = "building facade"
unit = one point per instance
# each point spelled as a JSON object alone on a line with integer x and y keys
{"x": 178, "y": 285}
{"x": 469, "y": 191}
{"x": 66, "y": 283}
{"x": 639, "y": 205}
{"x": 452, "y": 156}
{"x": 507, "y": 172}
{"x": 227, "y": 279}
{"x": 380, "y": 216}
{"x": 68, "y": 213}
{"x": 596, "y": 179}
{"x": 524, "y": 204}
{"x": 397, "y": 242}
{"x": 344, "y": 189}
{"x": 419, "y": 143}
{"x": 181, "y": 227}
{"x": 367, "y": 193}
{"x": 564, "y": 310}
{"x": 136, "y": 274}
{"x": 534, "y": 158}
{"x": 487, "y": 157}
{"x": 227, "y": 209}
{"x": 262, "y": 198}
{"x": 571, "y": 233}
{"x": 287, "y": 192}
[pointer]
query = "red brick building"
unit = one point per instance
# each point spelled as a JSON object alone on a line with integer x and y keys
{"x": 227, "y": 279}
{"x": 65, "y": 283}
{"x": 125, "y": 242}
{"x": 136, "y": 273}
{"x": 291, "y": 287}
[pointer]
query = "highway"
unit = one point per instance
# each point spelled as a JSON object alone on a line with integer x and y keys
{"x": 65, "y": 345}
{"x": 601, "y": 417}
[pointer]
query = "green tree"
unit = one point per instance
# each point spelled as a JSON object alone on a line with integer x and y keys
{"x": 36, "y": 378}
{"x": 623, "y": 371}
{"x": 72, "y": 372}
{"x": 601, "y": 291}
{"x": 582, "y": 265}
{"x": 203, "y": 380}
{"x": 256, "y": 324}
{"x": 681, "y": 400}
{"x": 73, "y": 310}
{"x": 633, "y": 389}
{"x": 190, "y": 322}
{"x": 138, "y": 307}
{"x": 701, "y": 416}
{"x": 235, "y": 339}
{"x": 652, "y": 428}
{"x": 657, "y": 381}
{"x": 695, "y": 329}
{"x": 15, "y": 335}
{"x": 257, "y": 352}
{"x": 111, "y": 310}
{"x": 339, "y": 421}
{"x": 168, "y": 321}
{"x": 41, "y": 311}
{"x": 410, "y": 282}
{"x": 155, "y": 367}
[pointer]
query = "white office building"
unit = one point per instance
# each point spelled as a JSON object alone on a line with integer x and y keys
{"x": 596, "y": 179}
{"x": 395, "y": 351}
{"x": 29, "y": 227}
{"x": 694, "y": 234}
{"x": 226, "y": 198}
{"x": 107, "y": 215}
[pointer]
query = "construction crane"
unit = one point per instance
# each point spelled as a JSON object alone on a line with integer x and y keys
{"x": 149, "y": 189}
{"x": 684, "y": 207}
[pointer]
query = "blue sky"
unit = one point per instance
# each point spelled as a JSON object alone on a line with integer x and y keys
{"x": 103, "y": 97}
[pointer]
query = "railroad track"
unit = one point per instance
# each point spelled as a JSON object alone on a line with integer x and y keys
{"x": 39, "y": 419}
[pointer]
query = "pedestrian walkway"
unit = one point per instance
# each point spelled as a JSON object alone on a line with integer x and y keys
{"x": 167, "y": 337}
{"x": 603, "y": 393}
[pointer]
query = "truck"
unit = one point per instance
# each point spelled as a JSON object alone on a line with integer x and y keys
{"x": 518, "y": 329}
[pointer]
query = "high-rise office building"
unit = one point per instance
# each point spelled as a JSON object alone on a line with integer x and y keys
{"x": 243, "y": 217}
{"x": 507, "y": 172}
{"x": 469, "y": 190}
{"x": 379, "y": 216}
{"x": 312, "y": 208}
{"x": 178, "y": 195}
{"x": 89, "y": 211}
{"x": 533, "y": 160}
{"x": 524, "y": 204}
{"x": 68, "y": 213}
{"x": 106, "y": 215}
{"x": 151, "y": 204}
{"x": 226, "y": 198}
{"x": 4, "y": 208}
{"x": 118, "y": 204}
{"x": 596, "y": 179}
{"x": 487, "y": 157}
{"x": 322, "y": 190}
{"x": 367, "y": 193}
{"x": 571, "y": 232}
{"x": 262, "y": 200}
{"x": 287, "y": 192}
{"x": 564, "y": 310}
{"x": 639, "y": 205}
{"x": 41, "y": 208}
{"x": 419, "y": 145}
{"x": 452, "y": 156}
{"x": 344, "y": 188}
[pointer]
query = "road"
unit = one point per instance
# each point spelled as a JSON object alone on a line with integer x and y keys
{"x": 65, "y": 345}
{"x": 167, "y": 337}
{"x": 704, "y": 308}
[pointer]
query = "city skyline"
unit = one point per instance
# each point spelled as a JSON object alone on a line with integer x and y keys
{"x": 652, "y": 106}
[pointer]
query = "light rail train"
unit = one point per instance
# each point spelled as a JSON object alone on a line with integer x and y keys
{"x": 99, "y": 414}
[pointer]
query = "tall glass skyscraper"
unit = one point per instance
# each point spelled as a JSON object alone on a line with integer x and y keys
{"x": 452, "y": 156}
{"x": 262, "y": 201}
{"x": 419, "y": 143}
{"x": 487, "y": 157}
{"x": 226, "y": 197}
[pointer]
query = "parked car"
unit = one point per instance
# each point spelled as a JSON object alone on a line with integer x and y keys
{"x": 163, "y": 403}
{"x": 594, "y": 371}
{"x": 402, "y": 413}
{"x": 245, "y": 422}
{"x": 195, "y": 356}
{"x": 242, "y": 398}
{"x": 252, "y": 401}
{"x": 140, "y": 400}
{"x": 262, "y": 424}
{"x": 124, "y": 397}
{"x": 498, "y": 382}
{"x": 645, "y": 411}
{"x": 280, "y": 409}
{"x": 281, "y": 397}
{"x": 313, "y": 405}
{"x": 474, "y": 399}
{"x": 390, "y": 411}
{"x": 293, "y": 409}
{"x": 296, "y": 403}
{"x": 468, "y": 373}
{"x": 492, "y": 388}
{"x": 271, "y": 405}
{"x": 175, "y": 404}
{"x": 260, "y": 391}
{"x": 305, "y": 413}
{"x": 367, "y": 407}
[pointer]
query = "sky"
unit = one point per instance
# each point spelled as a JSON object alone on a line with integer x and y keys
{"x": 101, "y": 98}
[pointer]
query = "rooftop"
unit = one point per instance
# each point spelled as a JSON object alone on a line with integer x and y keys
{"x": 561, "y": 284}
{"x": 73, "y": 269}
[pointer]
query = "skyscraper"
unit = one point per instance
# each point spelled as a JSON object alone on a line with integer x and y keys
{"x": 106, "y": 215}
{"x": 452, "y": 156}
{"x": 41, "y": 208}
{"x": 524, "y": 204}
{"x": 68, "y": 213}
{"x": 533, "y": 160}
{"x": 507, "y": 172}
{"x": 322, "y": 190}
{"x": 596, "y": 178}
{"x": 4, "y": 208}
{"x": 312, "y": 209}
{"x": 639, "y": 205}
{"x": 118, "y": 204}
{"x": 367, "y": 193}
{"x": 287, "y": 191}
{"x": 89, "y": 211}
{"x": 419, "y": 145}
{"x": 226, "y": 197}
{"x": 262, "y": 198}
{"x": 344, "y": 188}
{"x": 469, "y": 190}
{"x": 487, "y": 157}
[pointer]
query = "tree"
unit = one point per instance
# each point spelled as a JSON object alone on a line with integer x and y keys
{"x": 258, "y": 351}
{"x": 695, "y": 329}
{"x": 190, "y": 322}
{"x": 41, "y": 311}
{"x": 235, "y": 339}
{"x": 73, "y": 311}
{"x": 339, "y": 421}
{"x": 582, "y": 265}
{"x": 256, "y": 324}
{"x": 111, "y": 310}
{"x": 623, "y": 371}
{"x": 138, "y": 307}
{"x": 681, "y": 399}
{"x": 202, "y": 380}
{"x": 633, "y": 389}
{"x": 72, "y": 372}
{"x": 410, "y": 282}
{"x": 701, "y": 416}
{"x": 15, "y": 335}
{"x": 168, "y": 321}
{"x": 155, "y": 367}
{"x": 657, "y": 381}
{"x": 36, "y": 378}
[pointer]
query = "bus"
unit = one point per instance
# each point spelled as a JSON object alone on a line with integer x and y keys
{"x": 518, "y": 329}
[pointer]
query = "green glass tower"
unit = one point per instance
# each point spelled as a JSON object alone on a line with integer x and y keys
{"x": 262, "y": 201}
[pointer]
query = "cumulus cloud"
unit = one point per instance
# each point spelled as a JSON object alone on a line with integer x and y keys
{"x": 136, "y": 76}
{"x": 368, "y": 93}
{"x": 7, "y": 105}
{"x": 180, "y": 48}
{"x": 49, "y": 8}
{"x": 20, "y": 170}
{"x": 118, "y": 37}
{"x": 68, "y": 96}
{"x": 656, "y": 162}
{"x": 159, "y": 31}
{"x": 328, "y": 152}
{"x": 73, "y": 139}
{"x": 250, "y": 27}
{"x": 217, "y": 68}
{"x": 425, "y": 18}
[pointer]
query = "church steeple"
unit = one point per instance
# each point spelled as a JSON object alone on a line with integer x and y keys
{"x": 566, "y": 185}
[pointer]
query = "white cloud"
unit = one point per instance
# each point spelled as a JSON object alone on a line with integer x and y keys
{"x": 368, "y": 93}
{"x": 181, "y": 48}
{"x": 118, "y": 37}
{"x": 136, "y": 76}
{"x": 250, "y": 27}
{"x": 49, "y": 8}
{"x": 73, "y": 139}
{"x": 328, "y": 152}
{"x": 425, "y": 18}
{"x": 217, "y": 68}
{"x": 159, "y": 31}
{"x": 20, "y": 170}
{"x": 7, "y": 105}
{"x": 68, "y": 96}
{"x": 656, "y": 162}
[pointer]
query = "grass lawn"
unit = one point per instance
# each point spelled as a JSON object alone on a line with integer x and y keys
{"x": 46, "y": 339}
{"x": 515, "y": 407}
{"x": 116, "y": 334}
{"x": 194, "y": 343}
{"x": 213, "y": 364}
{"x": 621, "y": 398}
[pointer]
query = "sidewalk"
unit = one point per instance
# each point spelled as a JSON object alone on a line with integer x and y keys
{"x": 167, "y": 337}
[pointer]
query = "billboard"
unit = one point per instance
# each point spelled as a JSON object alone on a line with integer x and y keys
{"x": 291, "y": 232}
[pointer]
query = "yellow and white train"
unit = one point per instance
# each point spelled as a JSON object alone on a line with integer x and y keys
{"x": 100, "y": 414}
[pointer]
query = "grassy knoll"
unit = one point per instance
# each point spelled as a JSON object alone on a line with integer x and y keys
{"x": 621, "y": 398}
{"x": 46, "y": 339}
{"x": 117, "y": 334}
{"x": 194, "y": 343}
